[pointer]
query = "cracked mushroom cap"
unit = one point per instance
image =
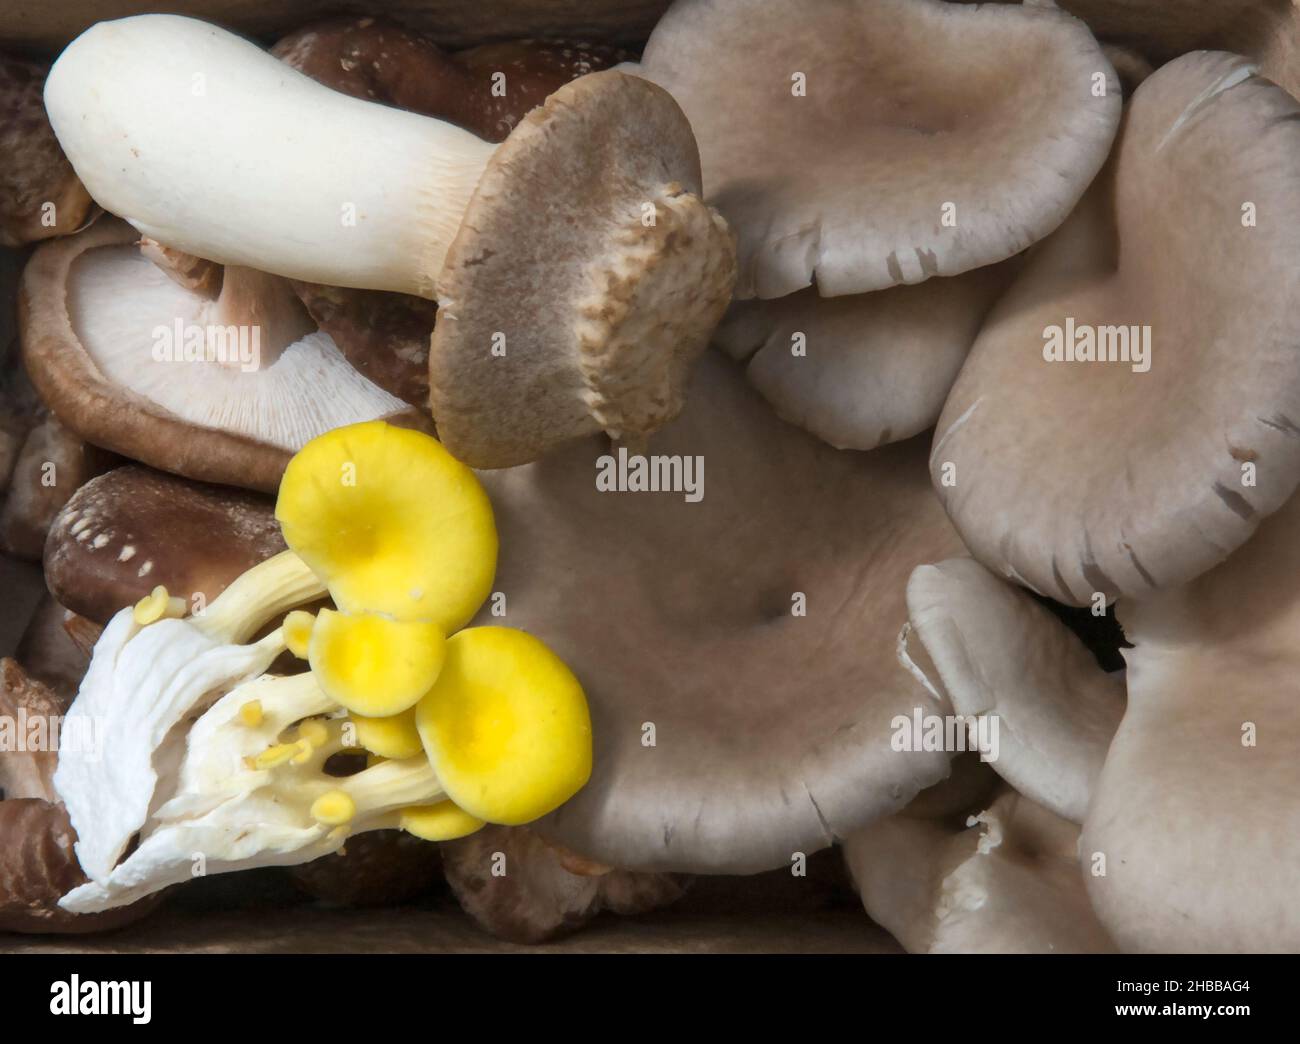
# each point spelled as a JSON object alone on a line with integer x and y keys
{"x": 131, "y": 529}
{"x": 220, "y": 390}
{"x": 519, "y": 887}
{"x": 614, "y": 272}
{"x": 1008, "y": 882}
{"x": 999, "y": 654}
{"x": 738, "y": 652}
{"x": 833, "y": 135}
{"x": 1076, "y": 477}
{"x": 35, "y": 175}
{"x": 866, "y": 369}
{"x": 1197, "y": 811}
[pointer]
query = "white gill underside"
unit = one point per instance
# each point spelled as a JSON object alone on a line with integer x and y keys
{"x": 124, "y": 310}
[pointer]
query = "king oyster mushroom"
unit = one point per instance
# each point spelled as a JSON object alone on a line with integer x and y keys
{"x": 1128, "y": 414}
{"x": 738, "y": 651}
{"x": 577, "y": 272}
{"x": 143, "y": 359}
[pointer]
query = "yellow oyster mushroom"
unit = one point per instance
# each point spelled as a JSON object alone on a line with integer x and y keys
{"x": 506, "y": 727}
{"x": 392, "y": 737}
{"x": 392, "y": 522}
{"x": 373, "y": 665}
{"x": 444, "y": 821}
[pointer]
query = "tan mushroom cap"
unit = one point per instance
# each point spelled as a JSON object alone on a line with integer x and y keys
{"x": 585, "y": 279}
{"x": 866, "y": 369}
{"x": 1197, "y": 811}
{"x": 90, "y": 310}
{"x": 1008, "y": 882}
{"x": 730, "y": 730}
{"x": 999, "y": 654}
{"x": 131, "y": 529}
{"x": 1075, "y": 477}
{"x": 905, "y": 105}
{"x": 544, "y": 891}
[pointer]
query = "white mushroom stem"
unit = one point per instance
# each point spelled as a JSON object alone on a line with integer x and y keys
{"x": 263, "y": 302}
{"x": 206, "y": 143}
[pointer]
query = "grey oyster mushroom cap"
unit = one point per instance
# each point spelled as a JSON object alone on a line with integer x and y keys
{"x": 866, "y": 369}
{"x": 1196, "y": 817}
{"x": 1082, "y": 477}
{"x": 1000, "y": 655}
{"x": 577, "y": 271}
{"x": 949, "y": 103}
{"x": 739, "y": 652}
{"x": 1007, "y": 881}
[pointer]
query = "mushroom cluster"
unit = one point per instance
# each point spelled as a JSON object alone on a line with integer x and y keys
{"x": 660, "y": 440}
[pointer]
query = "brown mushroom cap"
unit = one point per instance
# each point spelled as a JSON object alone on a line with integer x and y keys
{"x": 34, "y": 172}
{"x": 90, "y": 306}
{"x": 377, "y": 868}
{"x": 133, "y": 528}
{"x": 522, "y": 888}
{"x": 1008, "y": 882}
{"x": 1082, "y": 477}
{"x": 1197, "y": 811}
{"x": 738, "y": 652}
{"x": 27, "y": 773}
{"x": 578, "y": 292}
{"x": 906, "y": 105}
{"x": 868, "y": 368}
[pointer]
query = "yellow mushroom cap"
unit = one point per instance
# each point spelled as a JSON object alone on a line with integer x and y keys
{"x": 392, "y": 737}
{"x": 506, "y": 726}
{"x": 372, "y": 665}
{"x": 441, "y": 822}
{"x": 392, "y": 523}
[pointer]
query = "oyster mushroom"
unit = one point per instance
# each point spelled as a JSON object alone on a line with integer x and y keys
{"x": 522, "y": 888}
{"x": 738, "y": 651}
{"x": 586, "y": 221}
{"x": 1185, "y": 456}
{"x": 125, "y": 532}
{"x": 1007, "y": 881}
{"x": 218, "y": 389}
{"x": 962, "y": 149}
{"x": 867, "y": 369}
{"x": 1193, "y": 836}
{"x": 40, "y": 196}
{"x": 999, "y": 654}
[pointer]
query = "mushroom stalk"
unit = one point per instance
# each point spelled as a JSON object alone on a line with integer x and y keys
{"x": 208, "y": 144}
{"x": 266, "y": 591}
{"x": 265, "y": 303}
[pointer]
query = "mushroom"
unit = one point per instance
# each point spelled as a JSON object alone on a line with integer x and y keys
{"x": 737, "y": 643}
{"x": 865, "y": 144}
{"x": 998, "y": 654}
{"x": 52, "y": 465}
{"x": 1006, "y": 882}
{"x": 586, "y": 222}
{"x": 1193, "y": 836}
{"x": 55, "y": 648}
{"x": 866, "y": 369}
{"x": 40, "y": 195}
{"x": 520, "y": 887}
{"x": 220, "y": 390}
{"x": 1128, "y": 416}
{"x": 129, "y": 530}
{"x": 486, "y": 89}
{"x": 28, "y": 755}
{"x": 382, "y": 868}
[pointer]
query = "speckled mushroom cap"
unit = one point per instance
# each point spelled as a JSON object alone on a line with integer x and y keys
{"x": 1079, "y": 477}
{"x": 35, "y": 173}
{"x": 998, "y": 654}
{"x": 738, "y": 652}
{"x": 1005, "y": 881}
{"x": 833, "y": 135}
{"x": 90, "y": 308}
{"x": 127, "y": 531}
{"x": 867, "y": 369}
{"x": 585, "y": 279}
{"x": 1197, "y": 811}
